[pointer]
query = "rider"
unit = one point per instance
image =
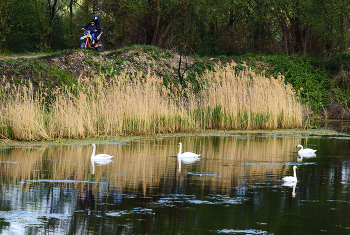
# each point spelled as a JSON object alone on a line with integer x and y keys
{"x": 95, "y": 28}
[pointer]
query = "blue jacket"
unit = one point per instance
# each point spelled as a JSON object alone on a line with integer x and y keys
{"x": 91, "y": 27}
{"x": 96, "y": 26}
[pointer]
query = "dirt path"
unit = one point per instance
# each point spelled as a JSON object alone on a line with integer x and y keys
{"x": 20, "y": 56}
{"x": 33, "y": 56}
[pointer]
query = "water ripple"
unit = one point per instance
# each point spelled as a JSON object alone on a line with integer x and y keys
{"x": 244, "y": 231}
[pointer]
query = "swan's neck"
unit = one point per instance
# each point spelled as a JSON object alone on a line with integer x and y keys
{"x": 93, "y": 151}
{"x": 180, "y": 149}
{"x": 301, "y": 147}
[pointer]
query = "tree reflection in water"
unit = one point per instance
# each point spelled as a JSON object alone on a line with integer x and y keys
{"x": 147, "y": 190}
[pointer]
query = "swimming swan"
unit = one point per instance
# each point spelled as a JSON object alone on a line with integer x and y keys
{"x": 100, "y": 156}
{"x": 306, "y": 152}
{"x": 291, "y": 178}
{"x": 186, "y": 154}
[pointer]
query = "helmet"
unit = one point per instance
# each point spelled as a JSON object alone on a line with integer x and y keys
{"x": 95, "y": 17}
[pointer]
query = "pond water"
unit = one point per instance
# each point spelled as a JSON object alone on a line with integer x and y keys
{"x": 235, "y": 187}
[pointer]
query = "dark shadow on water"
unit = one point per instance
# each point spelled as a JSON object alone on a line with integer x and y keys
{"x": 336, "y": 125}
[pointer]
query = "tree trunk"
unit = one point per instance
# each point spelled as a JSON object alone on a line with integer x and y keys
{"x": 267, "y": 25}
{"x": 285, "y": 39}
{"x": 284, "y": 29}
{"x": 71, "y": 2}
{"x": 305, "y": 40}
{"x": 171, "y": 21}
{"x": 165, "y": 32}
{"x": 52, "y": 16}
{"x": 156, "y": 27}
{"x": 345, "y": 12}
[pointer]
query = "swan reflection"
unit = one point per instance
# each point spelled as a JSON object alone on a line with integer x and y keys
{"x": 186, "y": 160}
{"x": 291, "y": 184}
{"x": 301, "y": 157}
{"x": 100, "y": 162}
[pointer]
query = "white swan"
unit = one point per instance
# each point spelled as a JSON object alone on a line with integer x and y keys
{"x": 186, "y": 154}
{"x": 100, "y": 156}
{"x": 291, "y": 178}
{"x": 306, "y": 152}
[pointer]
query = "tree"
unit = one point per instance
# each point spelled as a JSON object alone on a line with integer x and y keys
{"x": 4, "y": 27}
{"x": 46, "y": 11}
{"x": 164, "y": 14}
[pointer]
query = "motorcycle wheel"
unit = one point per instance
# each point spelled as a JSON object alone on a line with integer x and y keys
{"x": 101, "y": 45}
{"x": 81, "y": 44}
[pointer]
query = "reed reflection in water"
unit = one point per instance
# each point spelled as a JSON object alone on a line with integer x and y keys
{"x": 145, "y": 163}
{"x": 56, "y": 184}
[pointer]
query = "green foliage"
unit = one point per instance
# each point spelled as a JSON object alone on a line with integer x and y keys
{"x": 208, "y": 45}
{"x": 23, "y": 71}
{"x": 313, "y": 84}
{"x": 217, "y": 116}
{"x": 64, "y": 78}
{"x": 118, "y": 61}
{"x": 195, "y": 72}
{"x": 22, "y": 26}
{"x": 168, "y": 55}
{"x": 207, "y": 27}
{"x": 89, "y": 62}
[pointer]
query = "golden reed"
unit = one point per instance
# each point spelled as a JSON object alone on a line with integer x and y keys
{"x": 140, "y": 105}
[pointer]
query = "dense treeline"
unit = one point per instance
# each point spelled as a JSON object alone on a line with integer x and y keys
{"x": 207, "y": 26}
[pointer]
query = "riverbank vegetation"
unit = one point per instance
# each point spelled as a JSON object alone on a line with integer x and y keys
{"x": 322, "y": 82}
{"x": 178, "y": 41}
{"x": 187, "y": 80}
{"x": 140, "y": 104}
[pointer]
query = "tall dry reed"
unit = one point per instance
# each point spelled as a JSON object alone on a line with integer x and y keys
{"x": 140, "y": 104}
{"x": 246, "y": 100}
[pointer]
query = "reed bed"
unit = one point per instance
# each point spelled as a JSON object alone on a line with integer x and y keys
{"x": 246, "y": 100}
{"x": 140, "y": 104}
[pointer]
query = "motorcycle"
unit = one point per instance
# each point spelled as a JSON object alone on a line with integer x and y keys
{"x": 86, "y": 42}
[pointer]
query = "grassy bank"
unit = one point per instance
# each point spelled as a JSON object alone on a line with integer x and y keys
{"x": 140, "y": 104}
